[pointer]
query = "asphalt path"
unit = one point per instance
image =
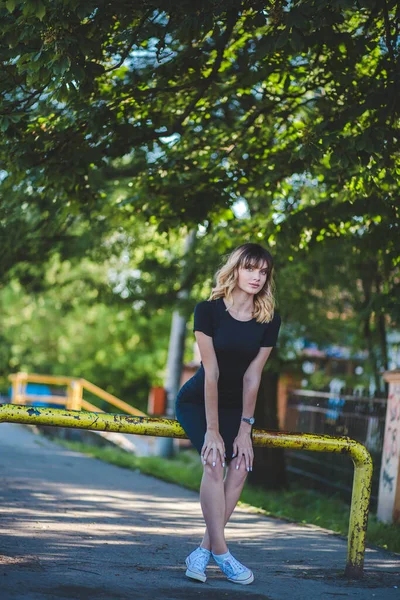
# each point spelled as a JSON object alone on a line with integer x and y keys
{"x": 74, "y": 527}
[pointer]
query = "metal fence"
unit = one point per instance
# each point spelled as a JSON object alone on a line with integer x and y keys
{"x": 360, "y": 418}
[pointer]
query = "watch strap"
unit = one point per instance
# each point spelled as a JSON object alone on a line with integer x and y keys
{"x": 248, "y": 420}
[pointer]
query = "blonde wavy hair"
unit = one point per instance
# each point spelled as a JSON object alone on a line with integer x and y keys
{"x": 245, "y": 256}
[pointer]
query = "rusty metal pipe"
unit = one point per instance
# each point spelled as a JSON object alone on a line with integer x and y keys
{"x": 14, "y": 413}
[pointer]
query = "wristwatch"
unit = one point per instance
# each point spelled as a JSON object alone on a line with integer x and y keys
{"x": 250, "y": 421}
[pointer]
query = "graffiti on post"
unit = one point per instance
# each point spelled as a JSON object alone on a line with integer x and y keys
{"x": 390, "y": 456}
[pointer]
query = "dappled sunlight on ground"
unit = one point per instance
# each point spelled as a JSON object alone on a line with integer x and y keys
{"x": 64, "y": 513}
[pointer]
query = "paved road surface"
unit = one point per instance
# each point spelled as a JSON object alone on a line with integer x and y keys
{"x": 74, "y": 527}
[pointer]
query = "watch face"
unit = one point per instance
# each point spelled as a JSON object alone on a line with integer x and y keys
{"x": 252, "y": 420}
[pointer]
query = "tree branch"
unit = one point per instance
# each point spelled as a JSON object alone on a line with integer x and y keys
{"x": 388, "y": 37}
{"x": 221, "y": 45}
{"x": 125, "y": 54}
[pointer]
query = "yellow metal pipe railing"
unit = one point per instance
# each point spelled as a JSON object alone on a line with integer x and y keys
{"x": 31, "y": 415}
{"x": 110, "y": 398}
{"x": 36, "y": 378}
{"x": 47, "y": 398}
{"x": 91, "y": 407}
{"x": 74, "y": 398}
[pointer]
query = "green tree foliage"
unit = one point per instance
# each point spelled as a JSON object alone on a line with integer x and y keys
{"x": 66, "y": 329}
{"x": 250, "y": 94}
{"x": 114, "y": 111}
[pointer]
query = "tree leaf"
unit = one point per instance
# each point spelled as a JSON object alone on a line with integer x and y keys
{"x": 40, "y": 10}
{"x": 5, "y": 122}
{"x": 10, "y": 5}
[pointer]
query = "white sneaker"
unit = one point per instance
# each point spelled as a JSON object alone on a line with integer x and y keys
{"x": 234, "y": 570}
{"x": 196, "y": 563}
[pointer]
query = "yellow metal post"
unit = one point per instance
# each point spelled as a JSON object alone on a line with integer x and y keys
{"x": 74, "y": 395}
{"x": 15, "y": 390}
{"x": 360, "y": 500}
{"x": 170, "y": 428}
{"x": 362, "y": 481}
{"x": 18, "y": 382}
{"x": 70, "y": 396}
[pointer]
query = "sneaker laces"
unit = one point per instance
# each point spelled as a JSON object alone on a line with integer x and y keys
{"x": 199, "y": 560}
{"x": 234, "y": 566}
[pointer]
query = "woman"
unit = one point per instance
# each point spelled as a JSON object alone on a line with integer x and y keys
{"x": 235, "y": 331}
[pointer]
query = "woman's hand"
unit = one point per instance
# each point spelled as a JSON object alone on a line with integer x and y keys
{"x": 243, "y": 449}
{"x": 213, "y": 443}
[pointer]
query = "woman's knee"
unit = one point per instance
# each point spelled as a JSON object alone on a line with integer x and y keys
{"x": 216, "y": 471}
{"x": 238, "y": 473}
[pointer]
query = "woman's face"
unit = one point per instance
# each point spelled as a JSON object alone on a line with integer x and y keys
{"x": 252, "y": 279}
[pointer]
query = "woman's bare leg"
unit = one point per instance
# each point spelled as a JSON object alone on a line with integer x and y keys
{"x": 212, "y": 500}
{"x": 233, "y": 485}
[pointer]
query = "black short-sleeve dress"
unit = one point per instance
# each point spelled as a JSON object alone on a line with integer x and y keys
{"x": 236, "y": 344}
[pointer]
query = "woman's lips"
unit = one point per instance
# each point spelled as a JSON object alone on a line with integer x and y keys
{"x": 255, "y": 285}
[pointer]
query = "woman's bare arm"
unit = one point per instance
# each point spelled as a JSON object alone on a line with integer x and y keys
{"x": 251, "y": 381}
{"x": 213, "y": 441}
{"x": 242, "y": 446}
{"x": 210, "y": 364}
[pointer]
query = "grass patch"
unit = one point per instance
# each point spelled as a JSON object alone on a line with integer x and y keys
{"x": 296, "y": 504}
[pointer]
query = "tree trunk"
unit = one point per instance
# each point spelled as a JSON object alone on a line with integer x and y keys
{"x": 382, "y": 327}
{"x": 382, "y": 334}
{"x": 368, "y": 333}
{"x": 175, "y": 354}
{"x": 269, "y": 463}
